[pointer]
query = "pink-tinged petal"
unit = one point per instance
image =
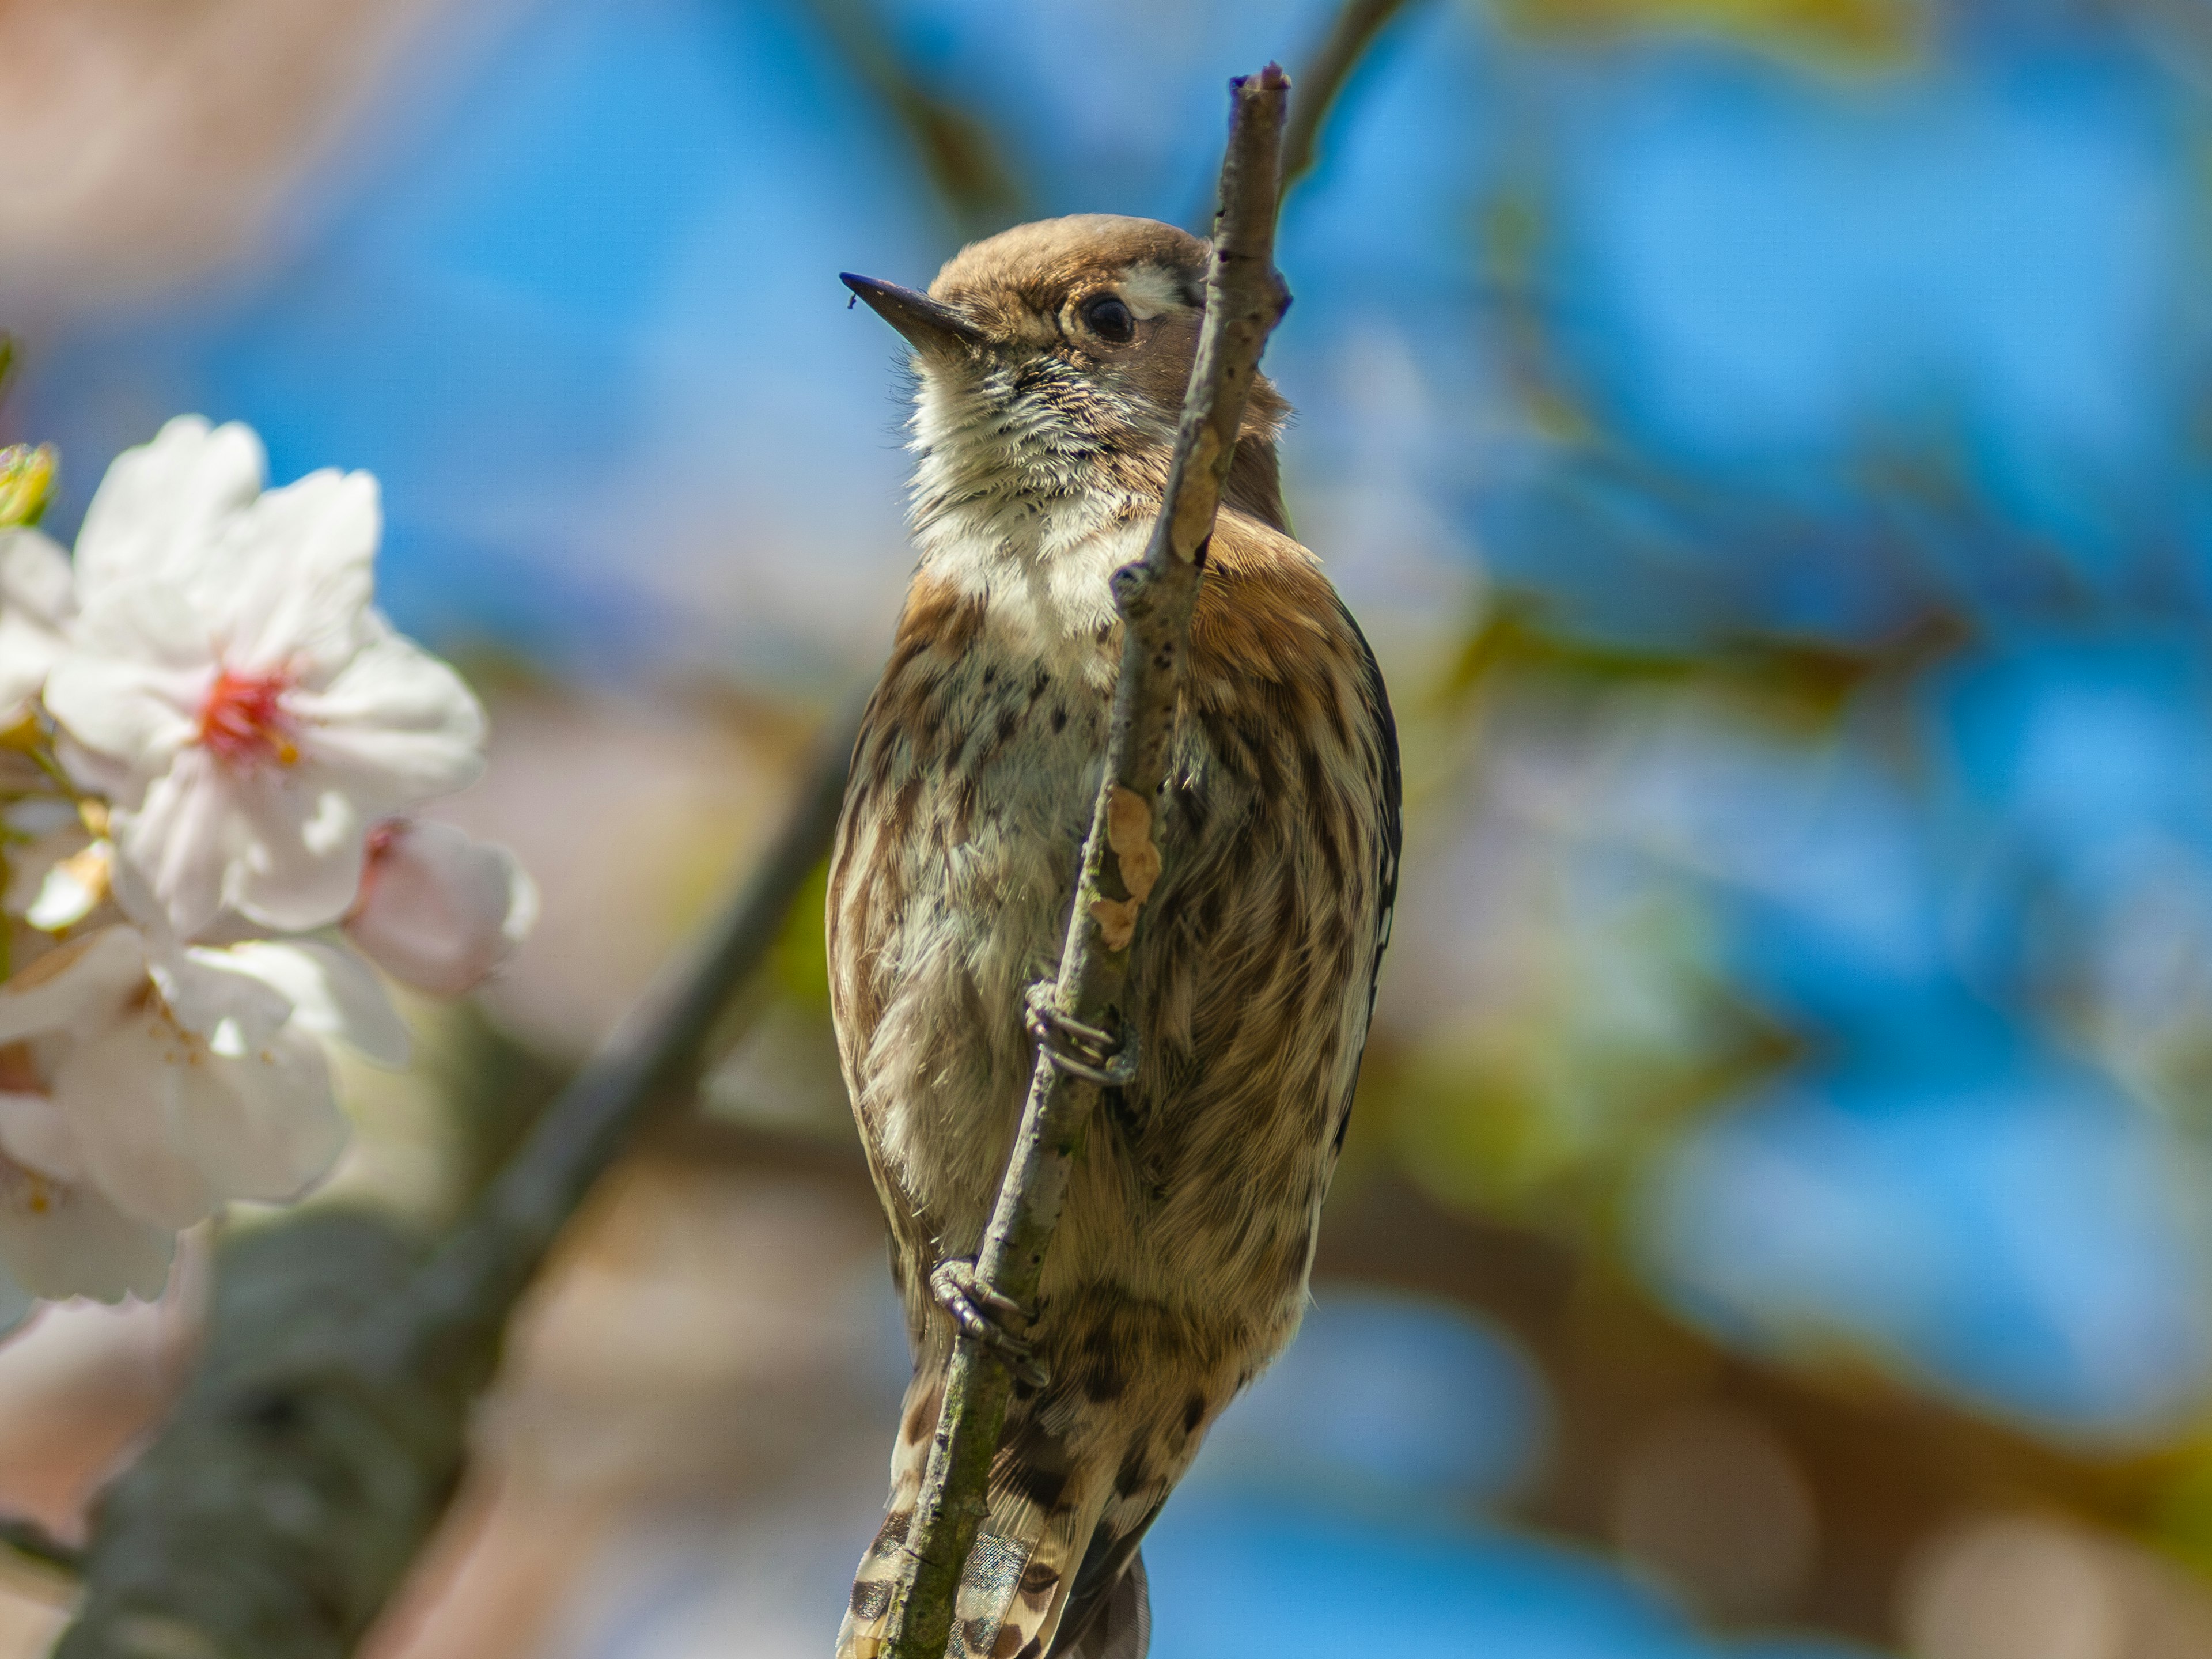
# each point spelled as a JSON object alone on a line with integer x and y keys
{"x": 266, "y": 1126}
{"x": 124, "y": 1092}
{"x": 61, "y": 1241}
{"x": 300, "y": 849}
{"x": 289, "y": 582}
{"x": 34, "y": 576}
{"x": 162, "y": 503}
{"x": 437, "y": 911}
{"x": 76, "y": 987}
{"x": 34, "y": 1132}
{"x": 180, "y": 842}
{"x": 396, "y": 726}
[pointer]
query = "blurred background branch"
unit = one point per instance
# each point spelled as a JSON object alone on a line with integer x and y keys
{"x": 1320, "y": 80}
{"x": 953, "y": 146}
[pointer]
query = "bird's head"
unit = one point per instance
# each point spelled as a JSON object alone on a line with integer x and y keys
{"x": 1051, "y": 360}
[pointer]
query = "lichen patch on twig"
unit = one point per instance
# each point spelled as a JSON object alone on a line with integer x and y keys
{"x": 1130, "y": 833}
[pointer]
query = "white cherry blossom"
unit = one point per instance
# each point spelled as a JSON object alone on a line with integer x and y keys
{"x": 170, "y": 1084}
{"x": 229, "y": 685}
{"x": 201, "y": 858}
{"x": 437, "y": 911}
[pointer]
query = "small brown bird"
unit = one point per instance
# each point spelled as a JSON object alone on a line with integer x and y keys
{"x": 1050, "y": 364}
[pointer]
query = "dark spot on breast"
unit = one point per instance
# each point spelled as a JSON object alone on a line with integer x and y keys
{"x": 1042, "y": 1486}
{"x": 927, "y": 731}
{"x": 1100, "y": 1370}
{"x": 1208, "y": 913}
{"x": 871, "y": 1600}
{"x": 882, "y": 758}
{"x": 1191, "y": 806}
{"x": 1133, "y": 1476}
{"x": 1290, "y": 905}
{"x": 990, "y": 674}
{"x": 1320, "y": 814}
{"x": 1267, "y": 759}
{"x": 1121, "y": 1114}
{"x": 1193, "y": 1414}
{"x": 1059, "y": 717}
{"x": 903, "y": 806}
{"x": 1040, "y": 685}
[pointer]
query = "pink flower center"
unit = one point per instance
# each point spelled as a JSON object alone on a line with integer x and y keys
{"x": 244, "y": 720}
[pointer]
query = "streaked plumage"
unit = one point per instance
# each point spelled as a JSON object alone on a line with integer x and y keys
{"x": 1180, "y": 1268}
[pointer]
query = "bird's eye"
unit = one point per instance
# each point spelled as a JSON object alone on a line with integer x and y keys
{"x": 1107, "y": 315}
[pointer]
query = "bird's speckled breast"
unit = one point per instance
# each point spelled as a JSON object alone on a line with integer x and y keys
{"x": 973, "y": 789}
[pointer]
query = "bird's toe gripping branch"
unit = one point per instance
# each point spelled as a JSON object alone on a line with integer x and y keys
{"x": 1108, "y": 1058}
{"x": 981, "y": 1313}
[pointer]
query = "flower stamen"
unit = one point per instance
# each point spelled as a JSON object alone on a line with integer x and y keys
{"x": 26, "y": 1191}
{"x": 244, "y": 721}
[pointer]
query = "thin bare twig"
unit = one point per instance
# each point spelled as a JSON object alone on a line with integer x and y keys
{"x": 324, "y": 1430}
{"x": 1245, "y": 298}
{"x": 1321, "y": 79}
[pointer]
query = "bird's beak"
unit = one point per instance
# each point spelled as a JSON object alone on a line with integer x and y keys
{"x": 927, "y": 325}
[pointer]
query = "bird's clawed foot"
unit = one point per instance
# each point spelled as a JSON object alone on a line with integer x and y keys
{"x": 1100, "y": 1057}
{"x": 992, "y": 1319}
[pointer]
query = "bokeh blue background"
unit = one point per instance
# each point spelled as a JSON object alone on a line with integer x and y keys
{"x": 1767, "y": 443}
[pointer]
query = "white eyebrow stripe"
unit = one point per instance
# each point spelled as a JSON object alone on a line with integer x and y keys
{"x": 1150, "y": 289}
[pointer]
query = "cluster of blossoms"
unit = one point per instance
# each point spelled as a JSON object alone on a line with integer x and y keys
{"x": 209, "y": 737}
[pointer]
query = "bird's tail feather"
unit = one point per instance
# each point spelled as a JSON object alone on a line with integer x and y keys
{"x": 1123, "y": 1630}
{"x": 1044, "y": 1509}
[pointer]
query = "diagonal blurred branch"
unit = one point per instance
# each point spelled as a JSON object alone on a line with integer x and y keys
{"x": 955, "y": 148}
{"x": 327, "y": 1426}
{"x": 27, "y": 1539}
{"x": 1321, "y": 79}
